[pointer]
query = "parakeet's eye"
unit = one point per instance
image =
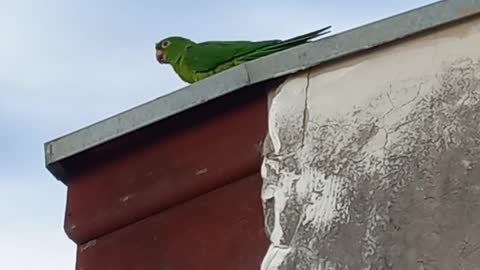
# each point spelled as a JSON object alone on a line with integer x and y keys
{"x": 165, "y": 44}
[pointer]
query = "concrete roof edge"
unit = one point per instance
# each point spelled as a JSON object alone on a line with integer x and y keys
{"x": 273, "y": 66}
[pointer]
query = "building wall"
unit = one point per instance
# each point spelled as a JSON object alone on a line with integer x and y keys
{"x": 183, "y": 193}
{"x": 372, "y": 162}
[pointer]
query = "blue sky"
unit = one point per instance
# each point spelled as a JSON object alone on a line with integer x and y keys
{"x": 66, "y": 64}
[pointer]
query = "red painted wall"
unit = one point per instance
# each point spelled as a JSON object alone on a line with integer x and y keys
{"x": 222, "y": 229}
{"x": 183, "y": 193}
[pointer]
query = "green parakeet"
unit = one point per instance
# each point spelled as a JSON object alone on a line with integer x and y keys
{"x": 196, "y": 61}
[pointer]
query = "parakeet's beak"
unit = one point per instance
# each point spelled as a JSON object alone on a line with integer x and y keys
{"x": 160, "y": 58}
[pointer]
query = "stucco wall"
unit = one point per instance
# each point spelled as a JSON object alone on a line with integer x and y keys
{"x": 373, "y": 162}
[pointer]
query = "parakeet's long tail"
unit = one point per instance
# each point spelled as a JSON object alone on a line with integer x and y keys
{"x": 304, "y": 38}
{"x": 285, "y": 44}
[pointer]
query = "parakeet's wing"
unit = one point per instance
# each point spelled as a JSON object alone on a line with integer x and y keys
{"x": 207, "y": 56}
{"x": 289, "y": 43}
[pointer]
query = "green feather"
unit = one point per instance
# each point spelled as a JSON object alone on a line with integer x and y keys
{"x": 197, "y": 61}
{"x": 209, "y": 55}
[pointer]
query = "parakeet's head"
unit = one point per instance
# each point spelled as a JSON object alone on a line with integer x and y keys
{"x": 170, "y": 49}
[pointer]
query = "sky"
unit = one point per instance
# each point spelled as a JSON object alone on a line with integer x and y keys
{"x": 66, "y": 64}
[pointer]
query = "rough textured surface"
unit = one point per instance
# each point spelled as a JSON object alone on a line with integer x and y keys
{"x": 372, "y": 163}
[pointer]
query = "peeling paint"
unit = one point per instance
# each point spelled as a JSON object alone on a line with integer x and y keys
{"x": 125, "y": 199}
{"x": 367, "y": 155}
{"x": 202, "y": 171}
{"x": 276, "y": 257}
{"x": 88, "y": 245}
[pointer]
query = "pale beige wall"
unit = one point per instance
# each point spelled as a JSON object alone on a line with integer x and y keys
{"x": 373, "y": 161}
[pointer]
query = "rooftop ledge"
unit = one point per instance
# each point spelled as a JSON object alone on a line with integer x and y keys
{"x": 269, "y": 67}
